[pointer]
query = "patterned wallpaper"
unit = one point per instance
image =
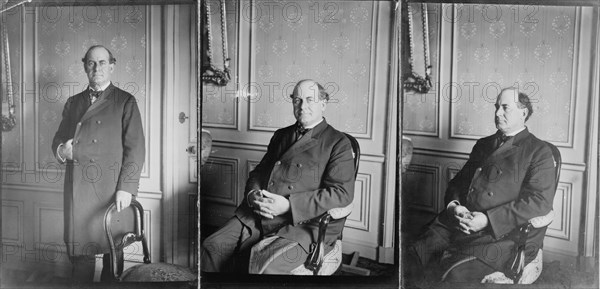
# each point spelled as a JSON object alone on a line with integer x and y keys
{"x": 332, "y": 46}
{"x": 62, "y": 42}
{"x": 292, "y": 40}
{"x": 532, "y": 47}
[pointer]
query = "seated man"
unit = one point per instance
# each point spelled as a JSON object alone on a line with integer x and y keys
{"x": 308, "y": 169}
{"x": 508, "y": 179}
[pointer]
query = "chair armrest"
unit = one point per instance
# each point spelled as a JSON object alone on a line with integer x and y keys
{"x": 338, "y": 213}
{"x": 315, "y": 257}
{"x": 542, "y": 221}
{"x": 518, "y": 263}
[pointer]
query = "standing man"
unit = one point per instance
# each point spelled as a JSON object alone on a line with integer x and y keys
{"x": 100, "y": 138}
{"x": 508, "y": 179}
{"x": 307, "y": 170}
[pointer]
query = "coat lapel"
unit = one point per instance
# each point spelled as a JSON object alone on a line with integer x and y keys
{"x": 100, "y": 103}
{"x": 309, "y": 140}
{"x": 510, "y": 147}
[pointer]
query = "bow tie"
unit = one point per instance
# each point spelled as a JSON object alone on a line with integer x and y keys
{"x": 96, "y": 94}
{"x": 300, "y": 131}
{"x": 502, "y": 138}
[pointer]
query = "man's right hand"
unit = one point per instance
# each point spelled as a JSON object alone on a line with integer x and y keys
{"x": 461, "y": 215}
{"x": 462, "y": 212}
{"x": 67, "y": 150}
{"x": 255, "y": 198}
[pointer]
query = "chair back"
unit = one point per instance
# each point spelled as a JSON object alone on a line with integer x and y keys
{"x": 557, "y": 162}
{"x": 355, "y": 152}
{"x": 117, "y": 246}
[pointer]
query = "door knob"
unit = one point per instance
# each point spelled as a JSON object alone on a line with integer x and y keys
{"x": 191, "y": 150}
{"x": 182, "y": 117}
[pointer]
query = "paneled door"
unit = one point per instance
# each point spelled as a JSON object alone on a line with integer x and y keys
{"x": 180, "y": 142}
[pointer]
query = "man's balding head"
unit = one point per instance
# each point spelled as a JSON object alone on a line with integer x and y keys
{"x": 313, "y": 85}
{"x": 309, "y": 99}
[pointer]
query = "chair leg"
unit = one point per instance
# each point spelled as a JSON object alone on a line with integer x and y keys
{"x": 353, "y": 269}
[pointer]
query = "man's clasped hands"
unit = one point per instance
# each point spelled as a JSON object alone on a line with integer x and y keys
{"x": 468, "y": 222}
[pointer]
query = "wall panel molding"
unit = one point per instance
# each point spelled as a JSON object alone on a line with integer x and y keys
{"x": 45, "y": 234}
{"x": 359, "y": 218}
{"x": 232, "y": 91}
{"x": 219, "y": 172}
{"x": 451, "y": 173}
{"x": 343, "y": 53}
{"x": 434, "y": 93}
{"x": 73, "y": 48}
{"x": 470, "y": 51}
{"x": 417, "y": 196}
{"x": 12, "y": 221}
{"x": 561, "y": 225}
{"x": 569, "y": 166}
{"x": 250, "y": 165}
{"x": 375, "y": 158}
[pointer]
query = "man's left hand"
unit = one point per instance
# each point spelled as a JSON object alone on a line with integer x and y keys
{"x": 476, "y": 224}
{"x": 122, "y": 200}
{"x": 275, "y": 205}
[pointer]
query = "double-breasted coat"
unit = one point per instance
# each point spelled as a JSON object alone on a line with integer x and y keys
{"x": 510, "y": 185}
{"x": 108, "y": 155}
{"x": 315, "y": 173}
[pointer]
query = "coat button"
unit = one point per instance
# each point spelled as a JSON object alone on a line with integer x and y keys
{"x": 271, "y": 183}
{"x": 77, "y": 141}
{"x": 95, "y": 141}
{"x": 290, "y": 187}
{"x": 479, "y": 169}
{"x": 277, "y": 163}
{"x": 299, "y": 165}
{"x": 471, "y": 190}
{"x": 92, "y": 160}
{"x": 79, "y": 124}
{"x": 491, "y": 194}
{"x": 98, "y": 121}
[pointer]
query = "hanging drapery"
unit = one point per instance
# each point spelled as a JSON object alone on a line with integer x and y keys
{"x": 6, "y": 92}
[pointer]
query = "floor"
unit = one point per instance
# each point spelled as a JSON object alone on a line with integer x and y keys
{"x": 554, "y": 275}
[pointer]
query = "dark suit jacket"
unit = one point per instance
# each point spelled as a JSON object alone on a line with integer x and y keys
{"x": 510, "y": 185}
{"x": 108, "y": 155}
{"x": 316, "y": 174}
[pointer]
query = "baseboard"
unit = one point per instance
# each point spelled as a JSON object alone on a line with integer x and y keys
{"x": 588, "y": 264}
{"x": 564, "y": 259}
{"x": 60, "y": 267}
{"x": 386, "y": 255}
{"x": 349, "y": 246}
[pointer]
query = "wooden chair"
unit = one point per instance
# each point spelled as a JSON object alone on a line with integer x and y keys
{"x": 319, "y": 263}
{"x": 521, "y": 273}
{"x": 147, "y": 272}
